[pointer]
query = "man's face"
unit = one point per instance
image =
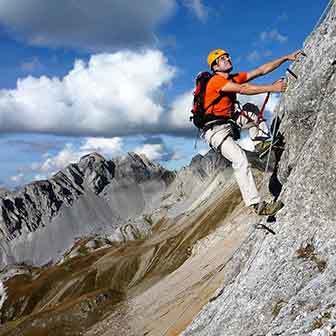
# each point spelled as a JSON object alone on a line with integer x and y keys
{"x": 224, "y": 63}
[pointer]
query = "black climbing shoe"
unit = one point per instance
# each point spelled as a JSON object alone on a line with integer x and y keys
{"x": 263, "y": 146}
{"x": 267, "y": 208}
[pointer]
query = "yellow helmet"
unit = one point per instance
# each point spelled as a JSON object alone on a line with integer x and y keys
{"x": 214, "y": 54}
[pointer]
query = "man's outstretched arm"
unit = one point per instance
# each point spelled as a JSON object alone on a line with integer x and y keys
{"x": 250, "y": 89}
{"x": 268, "y": 67}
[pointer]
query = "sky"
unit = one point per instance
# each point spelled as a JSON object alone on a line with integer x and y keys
{"x": 114, "y": 76}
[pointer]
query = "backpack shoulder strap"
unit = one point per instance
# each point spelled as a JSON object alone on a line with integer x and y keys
{"x": 216, "y": 100}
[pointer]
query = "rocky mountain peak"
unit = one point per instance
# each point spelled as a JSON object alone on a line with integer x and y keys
{"x": 96, "y": 171}
{"x": 210, "y": 162}
{"x": 138, "y": 167}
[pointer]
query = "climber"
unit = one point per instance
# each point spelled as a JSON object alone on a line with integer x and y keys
{"x": 218, "y": 130}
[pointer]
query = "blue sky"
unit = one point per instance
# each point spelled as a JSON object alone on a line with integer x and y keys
{"x": 117, "y": 76}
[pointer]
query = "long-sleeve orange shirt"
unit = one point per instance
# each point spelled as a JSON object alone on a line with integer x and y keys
{"x": 225, "y": 106}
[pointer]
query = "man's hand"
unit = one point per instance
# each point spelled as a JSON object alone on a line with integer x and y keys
{"x": 279, "y": 86}
{"x": 295, "y": 55}
{"x": 268, "y": 67}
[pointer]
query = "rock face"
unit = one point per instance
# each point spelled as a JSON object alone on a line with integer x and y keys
{"x": 287, "y": 285}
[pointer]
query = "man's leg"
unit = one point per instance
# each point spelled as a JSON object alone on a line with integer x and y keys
{"x": 242, "y": 170}
{"x": 249, "y": 120}
{"x": 219, "y": 138}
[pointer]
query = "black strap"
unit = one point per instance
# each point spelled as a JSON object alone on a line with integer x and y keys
{"x": 215, "y": 122}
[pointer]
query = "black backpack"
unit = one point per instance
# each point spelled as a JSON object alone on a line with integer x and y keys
{"x": 199, "y": 118}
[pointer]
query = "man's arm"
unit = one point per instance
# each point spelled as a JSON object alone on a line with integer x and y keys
{"x": 268, "y": 67}
{"x": 250, "y": 89}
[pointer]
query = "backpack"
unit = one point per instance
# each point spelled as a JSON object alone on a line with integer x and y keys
{"x": 198, "y": 111}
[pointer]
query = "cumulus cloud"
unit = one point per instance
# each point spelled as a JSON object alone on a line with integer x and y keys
{"x": 152, "y": 151}
{"x": 273, "y": 35}
{"x": 19, "y": 178}
{"x": 110, "y": 95}
{"x": 156, "y": 149}
{"x": 105, "y": 146}
{"x": 86, "y": 24}
{"x": 52, "y": 163}
{"x": 197, "y": 8}
{"x": 181, "y": 111}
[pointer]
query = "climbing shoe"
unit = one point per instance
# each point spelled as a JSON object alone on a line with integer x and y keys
{"x": 262, "y": 147}
{"x": 267, "y": 208}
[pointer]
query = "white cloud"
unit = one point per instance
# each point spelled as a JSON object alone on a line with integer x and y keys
{"x": 273, "y": 35}
{"x": 105, "y": 146}
{"x": 17, "y": 178}
{"x": 152, "y": 151}
{"x": 66, "y": 156}
{"x": 111, "y": 95}
{"x": 181, "y": 111}
{"x": 69, "y": 154}
{"x": 198, "y": 8}
{"x": 86, "y": 24}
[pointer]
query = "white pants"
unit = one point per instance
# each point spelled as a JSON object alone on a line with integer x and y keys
{"x": 220, "y": 139}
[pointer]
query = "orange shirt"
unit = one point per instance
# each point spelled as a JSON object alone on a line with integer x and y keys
{"x": 226, "y": 104}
